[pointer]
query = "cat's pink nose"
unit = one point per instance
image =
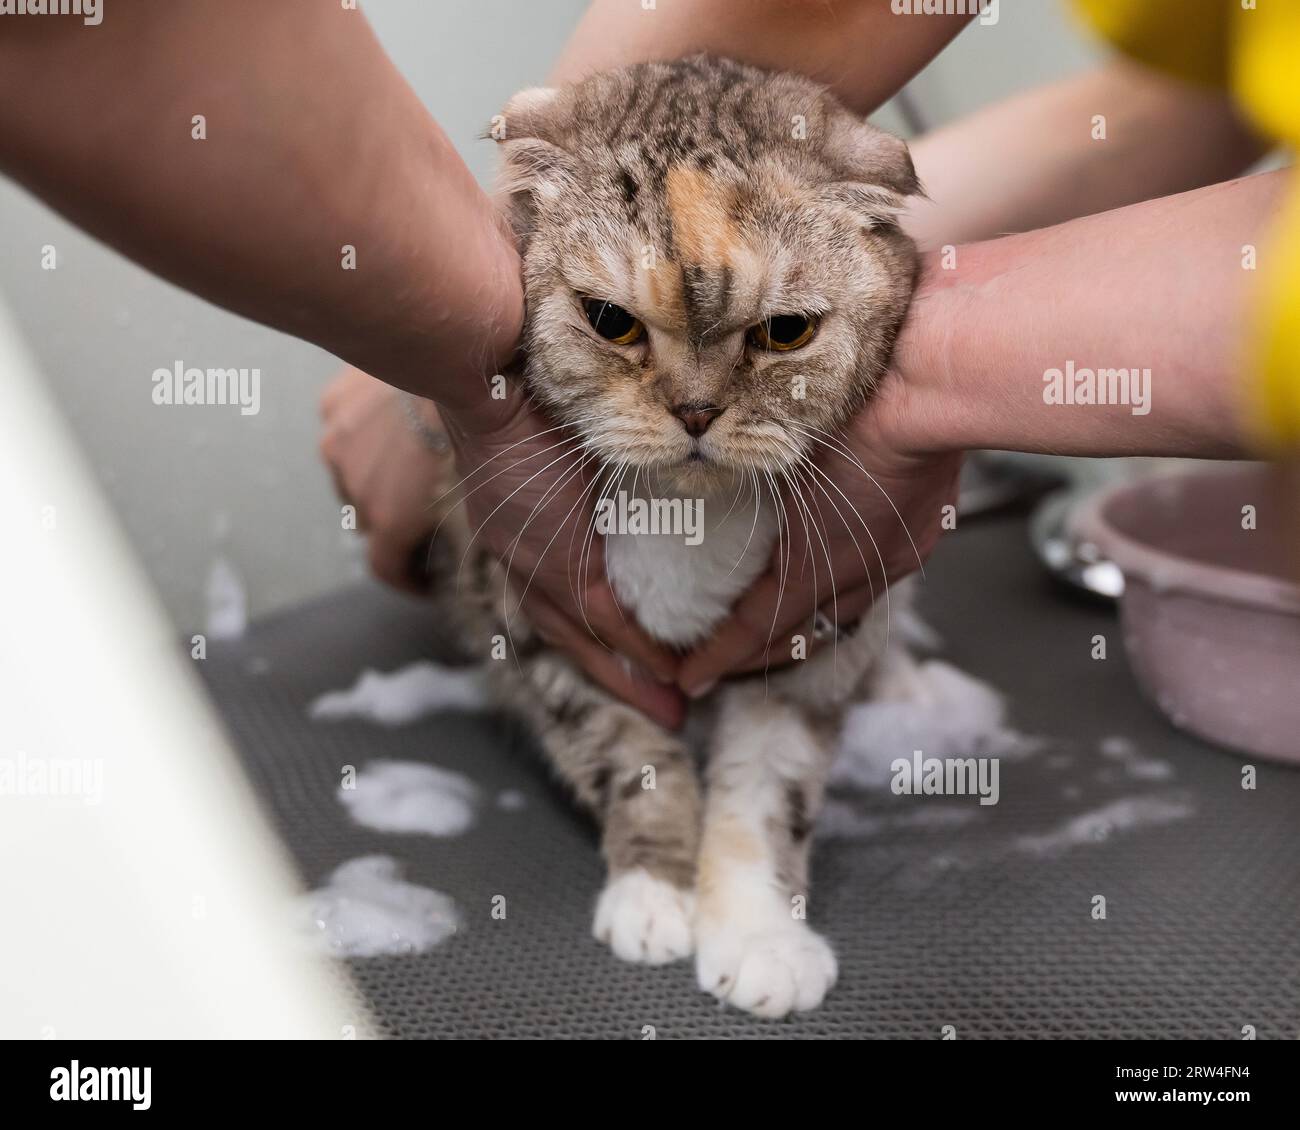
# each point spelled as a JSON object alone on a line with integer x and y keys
{"x": 696, "y": 417}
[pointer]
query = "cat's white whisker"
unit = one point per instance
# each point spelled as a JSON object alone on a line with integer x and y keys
{"x": 822, "y": 536}
{"x": 758, "y": 505}
{"x": 863, "y": 522}
{"x": 782, "y": 540}
{"x": 474, "y": 536}
{"x": 605, "y": 545}
{"x": 542, "y": 556}
{"x": 856, "y": 545}
{"x": 838, "y": 447}
{"x": 791, "y": 475}
{"x": 584, "y": 566}
{"x": 552, "y": 491}
{"x": 568, "y": 441}
{"x": 594, "y": 490}
{"x": 504, "y": 451}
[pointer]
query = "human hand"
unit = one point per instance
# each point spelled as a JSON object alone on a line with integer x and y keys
{"x": 870, "y": 514}
{"x": 527, "y": 492}
{"x": 385, "y": 468}
{"x": 526, "y": 496}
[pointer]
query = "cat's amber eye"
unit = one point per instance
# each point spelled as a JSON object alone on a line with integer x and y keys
{"x": 613, "y": 323}
{"x": 784, "y": 332}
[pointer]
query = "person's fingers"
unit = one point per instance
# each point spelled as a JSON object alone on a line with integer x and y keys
{"x": 336, "y": 391}
{"x": 390, "y": 561}
{"x": 329, "y": 399}
{"x": 535, "y": 535}
{"x": 593, "y": 604}
{"x": 802, "y": 577}
{"x": 846, "y": 610}
{"x": 619, "y": 631}
{"x": 336, "y": 477}
{"x": 422, "y": 563}
{"x": 331, "y": 449}
{"x": 617, "y": 675}
{"x": 766, "y": 613}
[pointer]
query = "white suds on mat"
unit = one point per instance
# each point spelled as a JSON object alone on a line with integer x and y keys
{"x": 511, "y": 800}
{"x": 404, "y": 695}
{"x": 1148, "y": 769}
{"x": 367, "y": 910}
{"x": 227, "y": 602}
{"x": 1117, "y": 747}
{"x": 1125, "y": 751}
{"x": 1101, "y": 824}
{"x": 840, "y": 820}
{"x": 930, "y": 706}
{"x": 405, "y": 796}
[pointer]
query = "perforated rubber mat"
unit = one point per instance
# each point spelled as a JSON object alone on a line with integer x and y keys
{"x": 934, "y": 925}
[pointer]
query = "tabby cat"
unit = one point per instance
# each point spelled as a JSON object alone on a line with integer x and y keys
{"x": 714, "y": 276}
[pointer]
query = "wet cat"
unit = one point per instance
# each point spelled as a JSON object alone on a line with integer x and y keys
{"x": 714, "y": 278}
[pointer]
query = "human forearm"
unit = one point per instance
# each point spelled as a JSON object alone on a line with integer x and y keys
{"x": 1036, "y": 159}
{"x": 1158, "y": 286}
{"x": 313, "y": 142}
{"x": 859, "y": 48}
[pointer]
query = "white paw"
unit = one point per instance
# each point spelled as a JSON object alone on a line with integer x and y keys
{"x": 767, "y": 971}
{"x": 642, "y": 918}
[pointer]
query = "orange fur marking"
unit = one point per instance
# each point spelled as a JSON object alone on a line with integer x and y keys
{"x": 700, "y": 207}
{"x": 726, "y": 843}
{"x": 664, "y": 294}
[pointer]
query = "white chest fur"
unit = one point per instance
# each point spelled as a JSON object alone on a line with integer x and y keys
{"x": 679, "y": 591}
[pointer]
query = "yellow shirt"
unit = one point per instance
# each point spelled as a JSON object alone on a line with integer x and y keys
{"x": 1251, "y": 47}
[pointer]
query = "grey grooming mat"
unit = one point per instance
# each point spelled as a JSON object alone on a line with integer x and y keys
{"x": 933, "y": 925}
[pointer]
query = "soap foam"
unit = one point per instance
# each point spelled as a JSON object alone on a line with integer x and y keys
{"x": 405, "y": 796}
{"x": 400, "y": 697}
{"x": 511, "y": 800}
{"x": 932, "y": 707}
{"x": 367, "y": 910}
{"x": 1101, "y": 824}
{"x": 227, "y": 602}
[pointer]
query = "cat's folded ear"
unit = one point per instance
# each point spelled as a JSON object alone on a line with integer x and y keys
{"x": 535, "y": 166}
{"x": 876, "y": 166}
{"x": 874, "y": 205}
{"x": 868, "y": 154}
{"x": 532, "y": 113}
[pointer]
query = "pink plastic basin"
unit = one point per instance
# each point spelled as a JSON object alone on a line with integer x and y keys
{"x": 1211, "y": 607}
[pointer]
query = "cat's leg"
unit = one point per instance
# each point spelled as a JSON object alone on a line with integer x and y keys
{"x": 640, "y": 783}
{"x": 765, "y": 781}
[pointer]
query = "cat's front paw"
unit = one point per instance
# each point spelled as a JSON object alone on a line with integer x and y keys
{"x": 768, "y": 971}
{"x": 645, "y": 919}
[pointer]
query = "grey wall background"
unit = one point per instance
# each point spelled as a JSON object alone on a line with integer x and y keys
{"x": 195, "y": 484}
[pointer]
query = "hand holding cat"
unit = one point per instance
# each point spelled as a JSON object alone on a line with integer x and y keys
{"x": 527, "y": 499}
{"x": 382, "y": 467}
{"x": 517, "y": 481}
{"x": 870, "y": 512}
